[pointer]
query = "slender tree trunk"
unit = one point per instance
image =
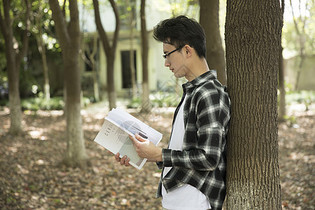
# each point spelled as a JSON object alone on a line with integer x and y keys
{"x": 110, "y": 81}
{"x": 69, "y": 38}
{"x": 14, "y": 56}
{"x": 14, "y": 92}
{"x": 110, "y": 50}
{"x": 42, "y": 50}
{"x": 94, "y": 70}
{"x": 132, "y": 64}
{"x": 209, "y": 19}
{"x": 253, "y": 42}
{"x": 146, "y": 104}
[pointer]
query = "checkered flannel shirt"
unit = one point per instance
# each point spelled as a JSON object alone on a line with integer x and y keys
{"x": 202, "y": 161}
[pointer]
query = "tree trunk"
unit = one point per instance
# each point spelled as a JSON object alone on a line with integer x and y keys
{"x": 94, "y": 69}
{"x": 209, "y": 19}
{"x": 110, "y": 81}
{"x": 109, "y": 49}
{"x": 14, "y": 56}
{"x": 131, "y": 37}
{"x": 42, "y": 51}
{"x": 253, "y": 42}
{"x": 146, "y": 104}
{"x": 69, "y": 38}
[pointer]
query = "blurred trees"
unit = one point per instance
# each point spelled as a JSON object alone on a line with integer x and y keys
{"x": 68, "y": 33}
{"x": 109, "y": 48}
{"x": 299, "y": 34}
{"x": 253, "y": 42}
{"x": 39, "y": 24}
{"x": 15, "y": 51}
{"x": 209, "y": 19}
{"x": 146, "y": 105}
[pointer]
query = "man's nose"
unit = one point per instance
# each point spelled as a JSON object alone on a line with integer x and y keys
{"x": 166, "y": 63}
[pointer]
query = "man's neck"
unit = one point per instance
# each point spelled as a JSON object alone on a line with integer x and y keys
{"x": 198, "y": 67}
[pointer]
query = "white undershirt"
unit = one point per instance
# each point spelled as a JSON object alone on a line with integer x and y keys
{"x": 185, "y": 197}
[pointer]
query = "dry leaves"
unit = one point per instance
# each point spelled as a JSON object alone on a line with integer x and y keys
{"x": 31, "y": 176}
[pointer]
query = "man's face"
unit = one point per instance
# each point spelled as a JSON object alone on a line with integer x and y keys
{"x": 175, "y": 61}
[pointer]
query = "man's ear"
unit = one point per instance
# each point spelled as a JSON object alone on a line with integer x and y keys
{"x": 188, "y": 50}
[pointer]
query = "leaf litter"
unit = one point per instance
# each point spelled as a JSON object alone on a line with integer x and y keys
{"x": 31, "y": 176}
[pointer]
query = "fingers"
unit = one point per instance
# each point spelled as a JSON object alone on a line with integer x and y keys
{"x": 137, "y": 140}
{"x": 117, "y": 157}
{"x": 123, "y": 161}
{"x": 138, "y": 137}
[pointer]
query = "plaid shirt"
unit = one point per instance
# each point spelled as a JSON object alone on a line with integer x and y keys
{"x": 202, "y": 162}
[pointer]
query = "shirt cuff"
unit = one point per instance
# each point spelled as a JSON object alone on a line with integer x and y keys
{"x": 166, "y": 157}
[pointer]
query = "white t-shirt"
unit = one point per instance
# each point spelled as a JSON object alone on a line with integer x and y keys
{"x": 185, "y": 197}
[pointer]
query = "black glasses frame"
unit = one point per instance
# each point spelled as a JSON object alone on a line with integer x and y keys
{"x": 167, "y": 54}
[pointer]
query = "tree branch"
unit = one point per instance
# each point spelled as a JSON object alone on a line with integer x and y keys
{"x": 60, "y": 23}
{"x": 115, "y": 38}
{"x": 100, "y": 28}
{"x": 25, "y": 38}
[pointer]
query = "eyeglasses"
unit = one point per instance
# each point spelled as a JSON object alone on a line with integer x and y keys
{"x": 167, "y": 54}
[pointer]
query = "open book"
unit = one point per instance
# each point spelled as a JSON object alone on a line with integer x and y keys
{"x": 115, "y": 131}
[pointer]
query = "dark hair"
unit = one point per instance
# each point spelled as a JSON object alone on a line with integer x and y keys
{"x": 180, "y": 31}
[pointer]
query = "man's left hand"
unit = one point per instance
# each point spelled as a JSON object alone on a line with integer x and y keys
{"x": 146, "y": 149}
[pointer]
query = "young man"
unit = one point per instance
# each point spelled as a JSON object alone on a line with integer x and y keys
{"x": 194, "y": 164}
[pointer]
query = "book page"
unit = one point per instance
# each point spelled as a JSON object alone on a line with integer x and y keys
{"x": 115, "y": 131}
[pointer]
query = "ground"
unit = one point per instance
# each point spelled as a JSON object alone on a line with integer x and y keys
{"x": 31, "y": 176}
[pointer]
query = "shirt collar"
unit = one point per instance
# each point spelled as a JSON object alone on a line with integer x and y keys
{"x": 199, "y": 80}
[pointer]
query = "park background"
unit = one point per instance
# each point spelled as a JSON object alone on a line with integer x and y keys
{"x": 34, "y": 172}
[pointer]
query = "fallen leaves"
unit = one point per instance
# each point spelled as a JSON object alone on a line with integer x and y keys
{"x": 31, "y": 176}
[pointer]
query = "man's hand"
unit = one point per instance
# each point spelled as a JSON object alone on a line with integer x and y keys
{"x": 146, "y": 149}
{"x": 123, "y": 161}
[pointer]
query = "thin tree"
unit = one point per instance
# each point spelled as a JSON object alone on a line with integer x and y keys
{"x": 146, "y": 105}
{"x": 299, "y": 26}
{"x": 209, "y": 19}
{"x": 68, "y": 34}
{"x": 110, "y": 50}
{"x": 14, "y": 53}
{"x": 253, "y": 42}
{"x": 42, "y": 48}
{"x": 132, "y": 23}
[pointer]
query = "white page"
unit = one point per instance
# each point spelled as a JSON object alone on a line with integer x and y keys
{"x": 114, "y": 135}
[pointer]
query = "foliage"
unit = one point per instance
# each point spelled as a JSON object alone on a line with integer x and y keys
{"x": 3, "y": 85}
{"x": 27, "y": 83}
{"x": 42, "y": 20}
{"x": 298, "y": 97}
{"x": 40, "y": 103}
{"x": 306, "y": 25}
{"x": 158, "y": 99}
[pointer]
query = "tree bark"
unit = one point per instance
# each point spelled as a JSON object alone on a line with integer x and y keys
{"x": 110, "y": 50}
{"x": 253, "y": 42}
{"x": 146, "y": 104}
{"x": 69, "y": 38}
{"x": 209, "y": 19}
{"x": 14, "y": 56}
